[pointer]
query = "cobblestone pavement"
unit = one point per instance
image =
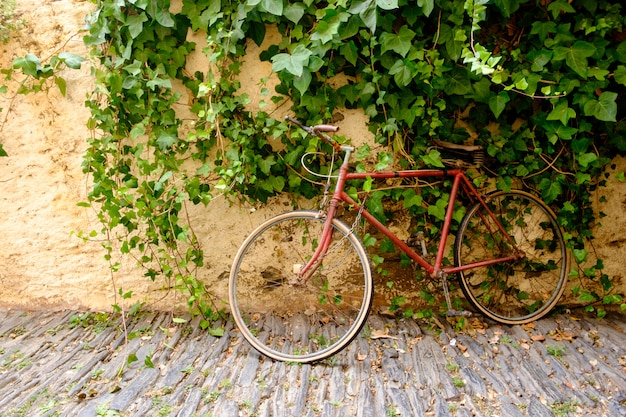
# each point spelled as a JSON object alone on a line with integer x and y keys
{"x": 81, "y": 364}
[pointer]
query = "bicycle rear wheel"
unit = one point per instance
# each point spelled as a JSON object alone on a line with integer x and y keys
{"x": 295, "y": 321}
{"x": 518, "y": 291}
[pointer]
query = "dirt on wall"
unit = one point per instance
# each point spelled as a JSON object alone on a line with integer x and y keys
{"x": 43, "y": 264}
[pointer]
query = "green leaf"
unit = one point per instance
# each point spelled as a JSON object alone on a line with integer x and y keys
{"x": 540, "y": 59}
{"x": 134, "y": 68}
{"x": 375, "y": 205}
{"x": 402, "y": 73}
{"x": 576, "y": 56}
{"x": 159, "y": 10}
{"x": 294, "y": 12}
{"x": 257, "y": 32}
{"x": 217, "y": 332}
{"x": 620, "y": 75}
{"x": 497, "y": 103}
{"x": 72, "y": 61}
{"x": 265, "y": 164}
{"x": 274, "y": 7}
{"x": 543, "y": 29}
{"x": 159, "y": 82}
{"x": 60, "y": 82}
{"x": 550, "y": 189}
{"x": 166, "y": 140}
{"x": 273, "y": 184}
{"x": 400, "y": 43}
{"x": 148, "y": 362}
{"x": 350, "y": 52}
{"x": 560, "y": 6}
{"x": 302, "y": 83}
{"x": 315, "y": 63}
{"x": 427, "y": 6}
{"x": 621, "y": 52}
{"x": 328, "y": 29}
{"x": 458, "y": 84}
{"x": 366, "y": 9}
{"x": 507, "y": 7}
{"x": 411, "y": 198}
{"x": 367, "y": 184}
{"x": 200, "y": 17}
{"x": 433, "y": 159}
{"x": 562, "y": 112}
{"x": 368, "y": 240}
{"x": 293, "y": 63}
{"x": 586, "y": 158}
{"x": 438, "y": 210}
{"x": 324, "y": 32}
{"x": 580, "y": 255}
{"x": 557, "y": 131}
{"x": 131, "y": 358}
{"x": 29, "y": 65}
{"x": 387, "y": 4}
{"x": 505, "y": 183}
{"x": 580, "y": 145}
{"x": 135, "y": 24}
{"x": 605, "y": 108}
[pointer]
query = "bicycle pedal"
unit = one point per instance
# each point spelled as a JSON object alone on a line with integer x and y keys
{"x": 458, "y": 313}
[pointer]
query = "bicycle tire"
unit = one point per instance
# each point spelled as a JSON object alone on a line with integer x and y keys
{"x": 520, "y": 291}
{"x": 293, "y": 321}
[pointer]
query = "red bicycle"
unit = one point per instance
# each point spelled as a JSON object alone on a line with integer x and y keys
{"x": 301, "y": 287}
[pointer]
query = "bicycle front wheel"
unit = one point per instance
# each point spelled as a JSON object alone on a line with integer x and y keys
{"x": 519, "y": 291}
{"x": 291, "y": 319}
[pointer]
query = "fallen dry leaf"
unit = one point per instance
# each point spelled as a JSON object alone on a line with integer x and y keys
{"x": 538, "y": 338}
{"x": 560, "y": 335}
{"x": 382, "y": 334}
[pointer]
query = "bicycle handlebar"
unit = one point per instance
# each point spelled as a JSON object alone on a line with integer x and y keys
{"x": 318, "y": 130}
{"x": 326, "y": 128}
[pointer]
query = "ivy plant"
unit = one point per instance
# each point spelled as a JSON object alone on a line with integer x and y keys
{"x": 538, "y": 84}
{"x": 33, "y": 76}
{"x": 9, "y": 22}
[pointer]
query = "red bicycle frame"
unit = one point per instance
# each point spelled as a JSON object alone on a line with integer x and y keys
{"x": 459, "y": 180}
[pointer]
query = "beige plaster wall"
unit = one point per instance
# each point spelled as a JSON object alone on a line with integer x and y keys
{"x": 42, "y": 262}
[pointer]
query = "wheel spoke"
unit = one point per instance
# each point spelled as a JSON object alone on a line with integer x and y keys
{"x": 292, "y": 317}
{"x": 518, "y": 291}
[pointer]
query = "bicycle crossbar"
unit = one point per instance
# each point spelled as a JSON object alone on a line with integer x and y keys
{"x": 420, "y": 173}
{"x": 459, "y": 180}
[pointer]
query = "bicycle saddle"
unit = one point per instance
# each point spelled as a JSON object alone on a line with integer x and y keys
{"x": 469, "y": 155}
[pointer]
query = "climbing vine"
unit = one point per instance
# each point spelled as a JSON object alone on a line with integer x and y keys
{"x": 9, "y": 22}
{"x": 537, "y": 83}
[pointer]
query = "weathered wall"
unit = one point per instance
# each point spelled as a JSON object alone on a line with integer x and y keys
{"x": 44, "y": 265}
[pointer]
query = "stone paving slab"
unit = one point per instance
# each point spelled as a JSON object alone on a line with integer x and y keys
{"x": 77, "y": 364}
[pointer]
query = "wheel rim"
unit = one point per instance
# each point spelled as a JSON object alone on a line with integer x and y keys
{"x": 290, "y": 320}
{"x": 519, "y": 291}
